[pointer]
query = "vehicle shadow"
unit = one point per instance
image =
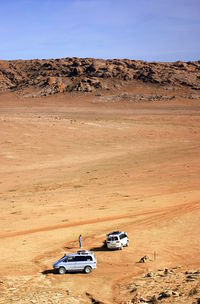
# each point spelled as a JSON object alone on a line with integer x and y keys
{"x": 101, "y": 248}
{"x": 52, "y": 271}
{"x": 49, "y": 271}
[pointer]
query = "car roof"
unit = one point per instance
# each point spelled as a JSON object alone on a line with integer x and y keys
{"x": 80, "y": 252}
{"x": 86, "y": 252}
{"x": 114, "y": 233}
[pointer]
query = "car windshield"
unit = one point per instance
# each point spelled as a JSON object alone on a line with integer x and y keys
{"x": 112, "y": 238}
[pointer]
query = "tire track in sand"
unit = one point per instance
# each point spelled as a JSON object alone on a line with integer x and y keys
{"x": 180, "y": 208}
{"x": 74, "y": 224}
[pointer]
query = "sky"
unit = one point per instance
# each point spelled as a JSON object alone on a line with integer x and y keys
{"x": 152, "y": 30}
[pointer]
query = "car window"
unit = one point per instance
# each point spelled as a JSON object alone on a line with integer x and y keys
{"x": 88, "y": 258}
{"x": 83, "y": 258}
{"x": 112, "y": 238}
{"x": 122, "y": 236}
{"x": 79, "y": 258}
{"x": 70, "y": 259}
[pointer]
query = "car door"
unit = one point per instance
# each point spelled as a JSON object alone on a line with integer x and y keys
{"x": 70, "y": 263}
{"x": 80, "y": 262}
{"x": 123, "y": 239}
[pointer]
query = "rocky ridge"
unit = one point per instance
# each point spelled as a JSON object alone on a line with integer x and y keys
{"x": 47, "y": 77}
{"x": 165, "y": 286}
{"x": 174, "y": 285}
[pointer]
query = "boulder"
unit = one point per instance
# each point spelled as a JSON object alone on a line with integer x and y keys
{"x": 149, "y": 275}
{"x": 153, "y": 300}
{"x": 144, "y": 259}
{"x": 165, "y": 294}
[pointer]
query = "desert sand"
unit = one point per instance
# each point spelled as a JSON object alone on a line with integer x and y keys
{"x": 75, "y": 164}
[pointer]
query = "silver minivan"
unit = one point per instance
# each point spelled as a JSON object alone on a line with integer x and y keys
{"x": 83, "y": 260}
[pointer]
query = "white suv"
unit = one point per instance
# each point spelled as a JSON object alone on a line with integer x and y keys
{"x": 117, "y": 240}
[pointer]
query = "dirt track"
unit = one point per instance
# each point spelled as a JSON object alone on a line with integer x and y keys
{"x": 154, "y": 215}
{"x": 70, "y": 167}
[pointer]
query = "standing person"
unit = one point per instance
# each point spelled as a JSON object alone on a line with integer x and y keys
{"x": 80, "y": 241}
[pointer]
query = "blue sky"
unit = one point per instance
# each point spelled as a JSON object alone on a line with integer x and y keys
{"x": 153, "y": 30}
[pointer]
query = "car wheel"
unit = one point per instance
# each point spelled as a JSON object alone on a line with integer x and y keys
{"x": 127, "y": 244}
{"x": 120, "y": 248}
{"x": 87, "y": 269}
{"x": 62, "y": 270}
{"x": 104, "y": 244}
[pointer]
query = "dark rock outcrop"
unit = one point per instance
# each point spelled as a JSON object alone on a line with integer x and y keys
{"x": 87, "y": 74}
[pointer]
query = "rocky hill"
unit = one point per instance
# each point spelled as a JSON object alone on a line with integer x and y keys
{"x": 160, "y": 287}
{"x": 47, "y": 77}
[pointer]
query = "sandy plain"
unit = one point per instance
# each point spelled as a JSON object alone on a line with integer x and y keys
{"x": 72, "y": 165}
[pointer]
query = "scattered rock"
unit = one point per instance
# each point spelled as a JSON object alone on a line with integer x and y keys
{"x": 165, "y": 294}
{"x": 93, "y": 300}
{"x": 136, "y": 299}
{"x": 143, "y": 300}
{"x": 149, "y": 275}
{"x": 134, "y": 98}
{"x": 175, "y": 294}
{"x": 173, "y": 285}
{"x": 190, "y": 278}
{"x": 193, "y": 291}
{"x": 153, "y": 300}
{"x": 166, "y": 272}
{"x": 35, "y": 289}
{"x": 144, "y": 259}
{"x": 134, "y": 289}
